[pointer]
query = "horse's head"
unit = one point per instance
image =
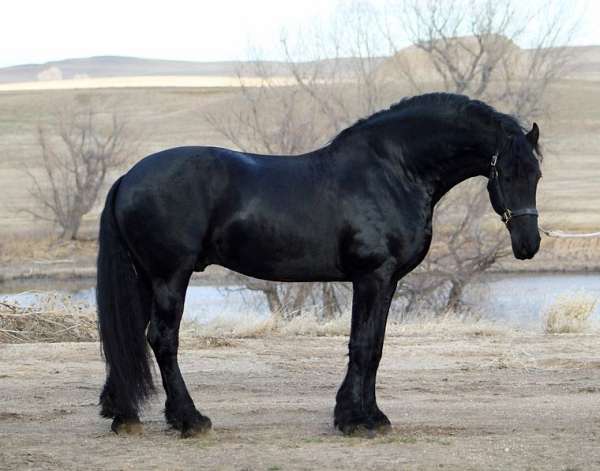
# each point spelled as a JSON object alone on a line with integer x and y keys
{"x": 512, "y": 186}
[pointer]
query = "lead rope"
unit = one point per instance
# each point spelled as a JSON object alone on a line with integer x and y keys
{"x": 567, "y": 235}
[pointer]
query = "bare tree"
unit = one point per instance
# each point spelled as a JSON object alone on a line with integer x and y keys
{"x": 470, "y": 47}
{"x": 77, "y": 152}
{"x": 462, "y": 46}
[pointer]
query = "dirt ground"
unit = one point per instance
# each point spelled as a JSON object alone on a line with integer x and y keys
{"x": 478, "y": 400}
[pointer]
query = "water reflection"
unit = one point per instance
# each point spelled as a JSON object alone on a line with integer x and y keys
{"x": 515, "y": 299}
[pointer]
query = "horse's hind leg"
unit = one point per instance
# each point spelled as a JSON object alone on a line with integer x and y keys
{"x": 163, "y": 335}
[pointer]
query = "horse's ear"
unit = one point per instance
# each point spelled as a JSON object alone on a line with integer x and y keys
{"x": 533, "y": 135}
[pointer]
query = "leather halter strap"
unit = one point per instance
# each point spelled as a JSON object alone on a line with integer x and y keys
{"x": 507, "y": 214}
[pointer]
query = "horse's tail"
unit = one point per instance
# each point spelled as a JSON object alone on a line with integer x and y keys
{"x": 123, "y": 300}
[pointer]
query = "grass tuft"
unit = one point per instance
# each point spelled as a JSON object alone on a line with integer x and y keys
{"x": 53, "y": 319}
{"x": 569, "y": 314}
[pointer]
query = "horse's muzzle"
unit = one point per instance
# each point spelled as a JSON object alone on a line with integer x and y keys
{"x": 525, "y": 237}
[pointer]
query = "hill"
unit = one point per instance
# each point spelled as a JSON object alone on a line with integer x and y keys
{"x": 117, "y": 66}
{"x": 112, "y": 66}
{"x": 584, "y": 65}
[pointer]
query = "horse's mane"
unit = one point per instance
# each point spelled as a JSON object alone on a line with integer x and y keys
{"x": 445, "y": 104}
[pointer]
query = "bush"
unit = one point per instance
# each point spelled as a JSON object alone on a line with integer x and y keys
{"x": 569, "y": 314}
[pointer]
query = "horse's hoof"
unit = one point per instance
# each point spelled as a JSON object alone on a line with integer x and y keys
{"x": 358, "y": 430}
{"x": 357, "y": 426}
{"x": 383, "y": 429}
{"x": 365, "y": 427}
{"x": 190, "y": 423}
{"x": 381, "y": 423}
{"x": 127, "y": 426}
{"x": 200, "y": 427}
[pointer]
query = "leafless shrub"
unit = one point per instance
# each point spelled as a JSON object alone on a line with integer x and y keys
{"x": 77, "y": 152}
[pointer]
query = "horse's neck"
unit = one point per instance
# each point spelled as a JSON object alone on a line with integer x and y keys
{"x": 448, "y": 162}
{"x": 450, "y": 170}
{"x": 437, "y": 163}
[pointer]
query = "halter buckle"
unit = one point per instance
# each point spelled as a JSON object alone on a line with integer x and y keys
{"x": 494, "y": 159}
{"x": 507, "y": 215}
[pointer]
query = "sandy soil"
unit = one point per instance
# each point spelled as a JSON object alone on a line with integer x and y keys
{"x": 482, "y": 400}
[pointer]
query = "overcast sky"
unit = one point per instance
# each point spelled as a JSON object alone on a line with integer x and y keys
{"x": 35, "y": 31}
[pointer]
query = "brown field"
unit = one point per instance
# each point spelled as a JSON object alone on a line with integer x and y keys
{"x": 569, "y": 194}
{"x": 460, "y": 399}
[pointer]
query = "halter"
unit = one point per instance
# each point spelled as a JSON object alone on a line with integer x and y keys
{"x": 507, "y": 214}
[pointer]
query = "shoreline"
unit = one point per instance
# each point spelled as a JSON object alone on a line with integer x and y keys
{"x": 74, "y": 279}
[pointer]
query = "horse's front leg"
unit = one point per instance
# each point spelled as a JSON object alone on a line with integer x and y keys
{"x": 356, "y": 407}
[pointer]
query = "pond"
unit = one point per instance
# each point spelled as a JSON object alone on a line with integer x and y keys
{"x": 517, "y": 300}
{"x": 521, "y": 299}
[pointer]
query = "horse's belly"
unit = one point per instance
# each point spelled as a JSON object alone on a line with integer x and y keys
{"x": 273, "y": 253}
{"x": 287, "y": 272}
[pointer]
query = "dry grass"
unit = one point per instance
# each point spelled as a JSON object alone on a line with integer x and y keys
{"x": 311, "y": 325}
{"x": 44, "y": 248}
{"x": 190, "y": 341}
{"x": 252, "y": 326}
{"x": 59, "y": 319}
{"x": 569, "y": 314}
{"x": 449, "y": 325}
{"x": 51, "y": 321}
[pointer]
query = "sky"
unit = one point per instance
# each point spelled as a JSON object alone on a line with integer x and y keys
{"x": 37, "y": 31}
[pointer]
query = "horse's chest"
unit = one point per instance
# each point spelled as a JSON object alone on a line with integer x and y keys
{"x": 404, "y": 240}
{"x": 411, "y": 247}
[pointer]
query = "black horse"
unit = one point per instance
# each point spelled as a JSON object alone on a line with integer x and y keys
{"x": 359, "y": 210}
